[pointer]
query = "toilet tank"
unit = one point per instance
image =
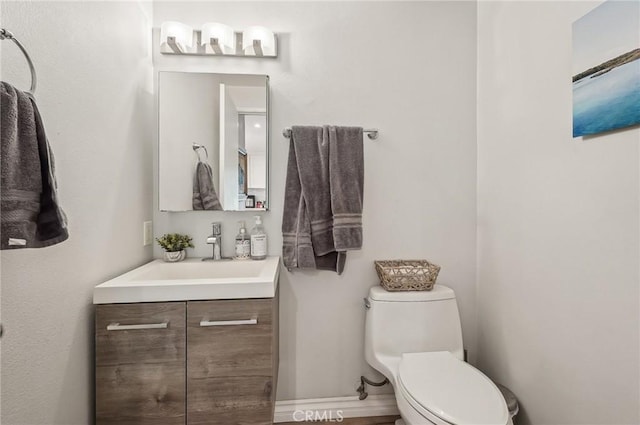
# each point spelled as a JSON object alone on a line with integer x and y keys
{"x": 412, "y": 321}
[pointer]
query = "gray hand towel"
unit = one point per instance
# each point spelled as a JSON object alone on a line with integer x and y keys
{"x": 346, "y": 171}
{"x": 204, "y": 194}
{"x": 30, "y": 214}
{"x": 323, "y": 197}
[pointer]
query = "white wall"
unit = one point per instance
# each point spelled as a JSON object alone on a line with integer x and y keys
{"x": 94, "y": 92}
{"x": 416, "y": 82}
{"x": 558, "y": 238}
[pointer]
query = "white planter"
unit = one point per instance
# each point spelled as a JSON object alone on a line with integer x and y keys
{"x": 172, "y": 257}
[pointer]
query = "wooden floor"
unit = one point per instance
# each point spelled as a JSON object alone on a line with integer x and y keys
{"x": 378, "y": 420}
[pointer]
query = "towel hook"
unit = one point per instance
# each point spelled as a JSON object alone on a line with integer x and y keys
{"x": 6, "y": 34}
{"x": 196, "y": 146}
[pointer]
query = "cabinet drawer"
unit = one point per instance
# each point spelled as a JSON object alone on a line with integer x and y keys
{"x": 230, "y": 338}
{"x": 145, "y": 332}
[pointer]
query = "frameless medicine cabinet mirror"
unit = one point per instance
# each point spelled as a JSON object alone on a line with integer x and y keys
{"x": 222, "y": 121}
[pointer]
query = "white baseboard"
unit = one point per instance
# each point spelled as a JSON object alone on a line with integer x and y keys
{"x": 334, "y": 408}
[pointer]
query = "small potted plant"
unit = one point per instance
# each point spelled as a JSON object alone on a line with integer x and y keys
{"x": 174, "y": 245}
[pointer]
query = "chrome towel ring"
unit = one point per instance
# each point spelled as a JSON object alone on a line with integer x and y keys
{"x": 6, "y": 34}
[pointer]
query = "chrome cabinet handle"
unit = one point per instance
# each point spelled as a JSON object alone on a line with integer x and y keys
{"x": 119, "y": 327}
{"x": 252, "y": 321}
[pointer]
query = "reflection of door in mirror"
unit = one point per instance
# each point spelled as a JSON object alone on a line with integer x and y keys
{"x": 255, "y": 146}
{"x": 243, "y": 142}
{"x": 219, "y": 112}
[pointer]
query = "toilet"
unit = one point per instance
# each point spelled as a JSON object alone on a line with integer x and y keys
{"x": 414, "y": 338}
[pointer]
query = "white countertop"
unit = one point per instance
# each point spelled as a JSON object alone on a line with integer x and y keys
{"x": 192, "y": 279}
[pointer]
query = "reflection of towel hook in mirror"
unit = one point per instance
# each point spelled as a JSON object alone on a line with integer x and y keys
{"x": 196, "y": 146}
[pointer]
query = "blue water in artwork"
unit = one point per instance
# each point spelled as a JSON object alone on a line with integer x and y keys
{"x": 608, "y": 101}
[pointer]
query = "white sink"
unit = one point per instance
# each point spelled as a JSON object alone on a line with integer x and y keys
{"x": 192, "y": 279}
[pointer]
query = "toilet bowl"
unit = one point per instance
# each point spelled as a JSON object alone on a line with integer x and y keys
{"x": 415, "y": 340}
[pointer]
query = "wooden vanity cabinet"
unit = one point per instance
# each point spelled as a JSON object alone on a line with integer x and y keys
{"x": 191, "y": 363}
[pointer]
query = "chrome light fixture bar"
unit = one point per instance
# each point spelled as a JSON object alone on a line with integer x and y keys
{"x": 215, "y": 39}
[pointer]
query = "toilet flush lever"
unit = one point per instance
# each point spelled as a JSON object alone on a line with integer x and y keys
{"x": 367, "y": 303}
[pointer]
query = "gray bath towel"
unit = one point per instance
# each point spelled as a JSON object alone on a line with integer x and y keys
{"x": 307, "y": 148}
{"x": 323, "y": 197}
{"x": 30, "y": 213}
{"x": 204, "y": 194}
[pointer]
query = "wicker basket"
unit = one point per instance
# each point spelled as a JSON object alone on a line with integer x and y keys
{"x": 407, "y": 275}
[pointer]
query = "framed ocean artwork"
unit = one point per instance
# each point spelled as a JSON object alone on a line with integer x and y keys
{"x": 606, "y": 68}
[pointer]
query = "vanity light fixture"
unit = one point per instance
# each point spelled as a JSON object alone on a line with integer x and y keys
{"x": 218, "y": 38}
{"x": 259, "y": 41}
{"x": 176, "y": 35}
{"x": 215, "y": 39}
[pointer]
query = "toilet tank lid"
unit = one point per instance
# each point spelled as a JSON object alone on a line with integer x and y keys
{"x": 439, "y": 292}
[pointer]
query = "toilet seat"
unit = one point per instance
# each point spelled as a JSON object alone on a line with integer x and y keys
{"x": 439, "y": 386}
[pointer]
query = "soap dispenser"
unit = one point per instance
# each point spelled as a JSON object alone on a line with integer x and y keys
{"x": 243, "y": 244}
{"x": 258, "y": 241}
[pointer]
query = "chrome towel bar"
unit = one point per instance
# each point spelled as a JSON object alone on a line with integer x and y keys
{"x": 372, "y": 133}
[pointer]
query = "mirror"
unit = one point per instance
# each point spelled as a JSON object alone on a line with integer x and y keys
{"x": 213, "y": 141}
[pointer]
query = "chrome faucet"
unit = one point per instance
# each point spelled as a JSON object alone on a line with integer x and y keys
{"x": 215, "y": 239}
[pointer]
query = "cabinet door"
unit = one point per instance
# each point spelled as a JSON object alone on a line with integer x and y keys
{"x": 230, "y": 362}
{"x": 140, "y": 364}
